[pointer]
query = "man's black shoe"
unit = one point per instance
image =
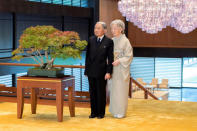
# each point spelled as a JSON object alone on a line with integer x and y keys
{"x": 100, "y": 117}
{"x": 92, "y": 116}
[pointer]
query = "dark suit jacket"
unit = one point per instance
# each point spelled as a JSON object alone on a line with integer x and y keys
{"x": 96, "y": 64}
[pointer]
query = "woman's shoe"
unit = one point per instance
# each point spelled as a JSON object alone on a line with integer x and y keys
{"x": 119, "y": 116}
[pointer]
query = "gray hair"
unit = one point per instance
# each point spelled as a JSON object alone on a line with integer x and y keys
{"x": 119, "y": 23}
{"x": 103, "y": 24}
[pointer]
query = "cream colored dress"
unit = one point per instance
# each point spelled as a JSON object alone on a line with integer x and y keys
{"x": 118, "y": 85}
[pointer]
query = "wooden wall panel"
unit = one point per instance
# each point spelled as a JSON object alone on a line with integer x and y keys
{"x": 108, "y": 12}
{"x": 168, "y": 37}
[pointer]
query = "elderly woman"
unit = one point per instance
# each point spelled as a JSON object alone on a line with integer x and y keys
{"x": 119, "y": 83}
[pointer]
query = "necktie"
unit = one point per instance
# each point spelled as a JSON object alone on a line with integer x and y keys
{"x": 99, "y": 41}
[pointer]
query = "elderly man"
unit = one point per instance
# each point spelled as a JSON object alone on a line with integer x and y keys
{"x": 98, "y": 68}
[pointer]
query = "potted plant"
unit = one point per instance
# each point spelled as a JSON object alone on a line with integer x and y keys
{"x": 44, "y": 44}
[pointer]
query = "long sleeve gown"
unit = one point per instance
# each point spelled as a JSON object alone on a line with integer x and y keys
{"x": 119, "y": 83}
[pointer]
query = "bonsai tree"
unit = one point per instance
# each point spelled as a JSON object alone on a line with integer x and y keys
{"x": 39, "y": 41}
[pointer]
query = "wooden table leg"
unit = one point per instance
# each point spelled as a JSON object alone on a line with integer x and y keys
{"x": 34, "y": 92}
{"x": 20, "y": 101}
{"x": 59, "y": 102}
{"x": 71, "y": 101}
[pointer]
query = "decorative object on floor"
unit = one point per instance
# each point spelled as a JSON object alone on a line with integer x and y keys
{"x": 35, "y": 42}
{"x": 154, "y": 15}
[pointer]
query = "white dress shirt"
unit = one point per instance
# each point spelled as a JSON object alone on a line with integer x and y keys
{"x": 100, "y": 38}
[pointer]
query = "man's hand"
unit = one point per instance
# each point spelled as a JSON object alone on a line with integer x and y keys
{"x": 107, "y": 76}
{"x": 116, "y": 63}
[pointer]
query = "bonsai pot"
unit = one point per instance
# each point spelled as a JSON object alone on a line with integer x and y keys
{"x": 54, "y": 72}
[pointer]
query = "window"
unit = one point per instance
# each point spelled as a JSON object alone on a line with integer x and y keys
{"x": 169, "y": 68}
{"x": 57, "y": 2}
{"x": 84, "y": 3}
{"x": 21, "y": 74}
{"x": 77, "y": 3}
{"x": 189, "y": 72}
{"x": 143, "y": 67}
{"x": 46, "y": 1}
{"x": 67, "y": 2}
{"x": 85, "y": 83}
{"x": 161, "y": 68}
{"x": 6, "y": 80}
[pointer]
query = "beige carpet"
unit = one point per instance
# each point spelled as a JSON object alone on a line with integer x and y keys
{"x": 143, "y": 115}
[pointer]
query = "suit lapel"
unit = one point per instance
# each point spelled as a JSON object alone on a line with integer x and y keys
{"x": 99, "y": 47}
{"x": 102, "y": 42}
